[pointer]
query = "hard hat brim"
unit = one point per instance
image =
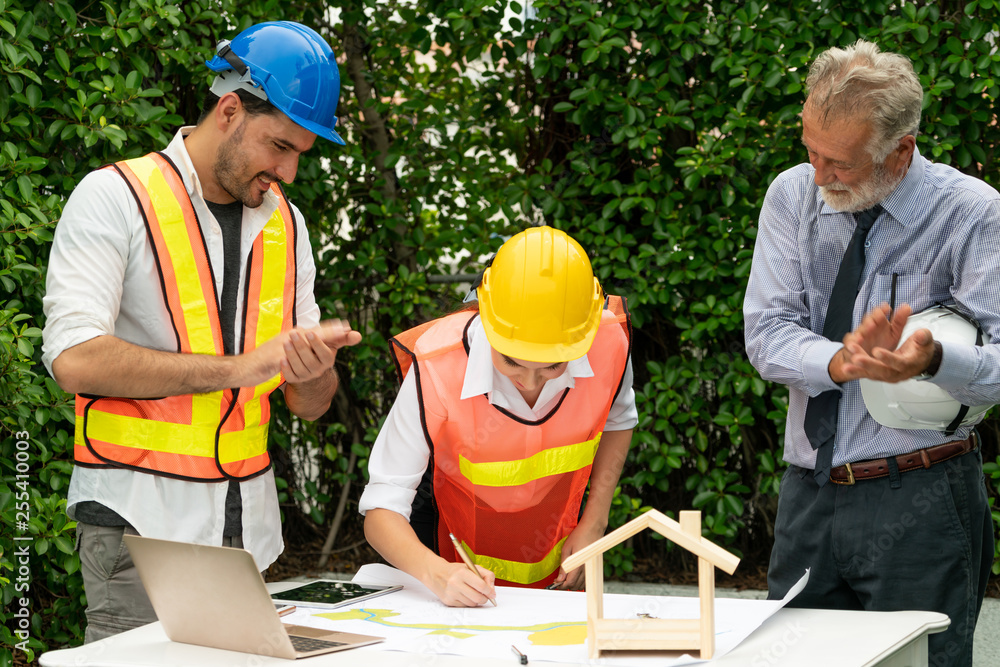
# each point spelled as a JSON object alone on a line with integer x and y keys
{"x": 219, "y": 65}
{"x": 317, "y": 129}
{"x": 546, "y": 353}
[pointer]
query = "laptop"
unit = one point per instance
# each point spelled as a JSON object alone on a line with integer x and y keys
{"x": 214, "y": 596}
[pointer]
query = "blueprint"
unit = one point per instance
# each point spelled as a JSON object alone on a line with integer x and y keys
{"x": 544, "y": 625}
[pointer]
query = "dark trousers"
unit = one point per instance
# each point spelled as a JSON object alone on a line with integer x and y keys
{"x": 920, "y": 540}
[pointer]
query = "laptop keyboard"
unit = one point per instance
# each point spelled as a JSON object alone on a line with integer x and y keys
{"x": 305, "y": 644}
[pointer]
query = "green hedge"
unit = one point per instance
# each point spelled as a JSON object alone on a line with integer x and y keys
{"x": 648, "y": 130}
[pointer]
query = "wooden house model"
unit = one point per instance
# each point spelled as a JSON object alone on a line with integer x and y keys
{"x": 657, "y": 634}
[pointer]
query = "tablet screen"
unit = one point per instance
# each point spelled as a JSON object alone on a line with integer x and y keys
{"x": 330, "y": 593}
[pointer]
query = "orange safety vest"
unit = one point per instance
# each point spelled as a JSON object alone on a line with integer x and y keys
{"x": 509, "y": 489}
{"x": 197, "y": 437}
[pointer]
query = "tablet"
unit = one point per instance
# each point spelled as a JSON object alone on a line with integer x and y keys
{"x": 329, "y": 593}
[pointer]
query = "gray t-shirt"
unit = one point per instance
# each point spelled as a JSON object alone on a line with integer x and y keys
{"x": 230, "y": 217}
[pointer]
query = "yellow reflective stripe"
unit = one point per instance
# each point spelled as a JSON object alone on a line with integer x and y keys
{"x": 271, "y": 311}
{"x": 545, "y": 463}
{"x": 187, "y": 439}
{"x": 182, "y": 439}
{"x": 518, "y": 572}
{"x": 242, "y": 445}
{"x": 206, "y": 408}
{"x": 271, "y": 306}
{"x": 252, "y": 412}
{"x": 173, "y": 227}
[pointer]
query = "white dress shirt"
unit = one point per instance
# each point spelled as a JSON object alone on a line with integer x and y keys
{"x": 401, "y": 453}
{"x": 102, "y": 280}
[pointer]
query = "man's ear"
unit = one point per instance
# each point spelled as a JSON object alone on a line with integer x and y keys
{"x": 228, "y": 108}
{"x": 906, "y": 147}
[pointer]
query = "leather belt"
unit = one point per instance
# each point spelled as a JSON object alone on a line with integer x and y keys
{"x": 848, "y": 473}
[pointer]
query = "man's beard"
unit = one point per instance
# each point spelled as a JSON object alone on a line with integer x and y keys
{"x": 230, "y": 163}
{"x": 877, "y": 187}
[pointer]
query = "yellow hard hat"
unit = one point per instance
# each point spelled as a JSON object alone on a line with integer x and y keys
{"x": 539, "y": 300}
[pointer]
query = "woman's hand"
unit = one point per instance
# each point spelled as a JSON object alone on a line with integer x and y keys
{"x": 581, "y": 537}
{"x": 457, "y": 586}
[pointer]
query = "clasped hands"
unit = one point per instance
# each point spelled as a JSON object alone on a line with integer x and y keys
{"x": 870, "y": 351}
{"x": 301, "y": 354}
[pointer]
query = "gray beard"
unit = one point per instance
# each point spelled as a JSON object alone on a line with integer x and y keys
{"x": 879, "y": 186}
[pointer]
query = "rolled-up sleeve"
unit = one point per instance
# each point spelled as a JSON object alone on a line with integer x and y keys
{"x": 86, "y": 270}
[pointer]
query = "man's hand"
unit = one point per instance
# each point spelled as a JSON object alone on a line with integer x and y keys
{"x": 300, "y": 355}
{"x": 870, "y": 351}
{"x": 308, "y": 354}
{"x": 308, "y": 366}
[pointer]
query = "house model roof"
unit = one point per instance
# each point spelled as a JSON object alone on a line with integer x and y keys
{"x": 666, "y": 527}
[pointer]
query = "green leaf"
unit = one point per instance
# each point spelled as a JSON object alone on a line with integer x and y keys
{"x": 34, "y": 95}
{"x": 62, "y": 58}
{"x": 25, "y": 187}
{"x": 25, "y": 348}
{"x": 65, "y": 11}
{"x": 24, "y": 26}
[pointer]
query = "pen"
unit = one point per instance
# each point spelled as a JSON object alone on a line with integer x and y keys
{"x": 465, "y": 559}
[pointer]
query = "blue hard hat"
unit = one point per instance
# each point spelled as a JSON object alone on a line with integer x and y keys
{"x": 287, "y": 64}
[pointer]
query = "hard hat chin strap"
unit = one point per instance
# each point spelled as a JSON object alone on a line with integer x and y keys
{"x": 963, "y": 410}
{"x": 225, "y": 52}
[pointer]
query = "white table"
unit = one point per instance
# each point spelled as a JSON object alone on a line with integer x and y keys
{"x": 790, "y": 637}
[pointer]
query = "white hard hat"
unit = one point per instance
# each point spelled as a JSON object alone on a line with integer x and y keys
{"x": 917, "y": 404}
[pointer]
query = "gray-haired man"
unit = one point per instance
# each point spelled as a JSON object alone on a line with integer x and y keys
{"x": 850, "y": 245}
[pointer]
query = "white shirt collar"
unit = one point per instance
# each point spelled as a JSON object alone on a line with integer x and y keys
{"x": 177, "y": 152}
{"x": 481, "y": 377}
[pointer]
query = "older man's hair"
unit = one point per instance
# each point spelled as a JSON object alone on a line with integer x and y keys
{"x": 862, "y": 82}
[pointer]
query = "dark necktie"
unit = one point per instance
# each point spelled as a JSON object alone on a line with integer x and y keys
{"x": 821, "y": 412}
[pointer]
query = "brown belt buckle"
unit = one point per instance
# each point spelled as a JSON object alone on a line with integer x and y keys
{"x": 850, "y": 475}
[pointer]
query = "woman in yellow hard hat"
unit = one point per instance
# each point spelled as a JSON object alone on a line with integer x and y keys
{"x": 505, "y": 413}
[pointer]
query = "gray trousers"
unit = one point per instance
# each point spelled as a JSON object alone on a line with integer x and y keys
{"x": 116, "y": 598}
{"x": 920, "y": 540}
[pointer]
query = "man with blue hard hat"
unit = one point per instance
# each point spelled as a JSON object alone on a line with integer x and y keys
{"x": 179, "y": 297}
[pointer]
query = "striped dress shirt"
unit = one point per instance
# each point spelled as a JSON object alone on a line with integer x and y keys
{"x": 938, "y": 240}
